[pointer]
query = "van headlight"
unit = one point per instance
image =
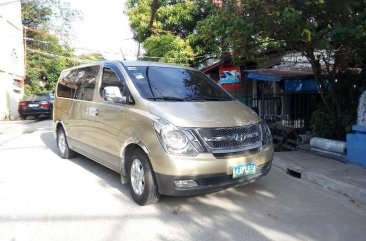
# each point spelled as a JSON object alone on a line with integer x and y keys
{"x": 173, "y": 140}
{"x": 266, "y": 134}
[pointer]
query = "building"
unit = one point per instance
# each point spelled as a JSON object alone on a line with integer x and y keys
{"x": 12, "y": 67}
{"x": 283, "y": 92}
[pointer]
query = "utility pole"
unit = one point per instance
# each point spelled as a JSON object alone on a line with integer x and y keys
{"x": 25, "y": 45}
{"x": 122, "y": 54}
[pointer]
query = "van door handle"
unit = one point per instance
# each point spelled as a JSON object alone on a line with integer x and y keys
{"x": 92, "y": 111}
{"x": 96, "y": 112}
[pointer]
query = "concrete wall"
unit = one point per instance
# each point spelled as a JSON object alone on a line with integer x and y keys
{"x": 12, "y": 70}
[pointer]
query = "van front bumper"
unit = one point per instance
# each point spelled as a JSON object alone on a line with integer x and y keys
{"x": 206, "y": 183}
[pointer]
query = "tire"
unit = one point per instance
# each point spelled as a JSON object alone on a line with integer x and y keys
{"x": 22, "y": 117}
{"x": 63, "y": 146}
{"x": 141, "y": 179}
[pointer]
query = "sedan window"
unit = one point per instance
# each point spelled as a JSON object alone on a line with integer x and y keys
{"x": 38, "y": 97}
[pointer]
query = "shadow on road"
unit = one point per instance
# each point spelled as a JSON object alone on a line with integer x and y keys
{"x": 205, "y": 212}
{"x": 49, "y": 141}
{"x": 37, "y": 118}
{"x": 108, "y": 177}
{"x": 273, "y": 208}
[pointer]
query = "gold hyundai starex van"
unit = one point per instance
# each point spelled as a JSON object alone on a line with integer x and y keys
{"x": 166, "y": 129}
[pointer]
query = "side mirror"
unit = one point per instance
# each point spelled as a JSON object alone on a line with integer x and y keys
{"x": 113, "y": 94}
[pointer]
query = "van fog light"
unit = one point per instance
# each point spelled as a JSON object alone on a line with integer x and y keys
{"x": 185, "y": 183}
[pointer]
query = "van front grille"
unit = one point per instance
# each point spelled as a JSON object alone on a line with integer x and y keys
{"x": 239, "y": 138}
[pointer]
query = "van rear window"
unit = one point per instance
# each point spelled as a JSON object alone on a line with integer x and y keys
{"x": 78, "y": 83}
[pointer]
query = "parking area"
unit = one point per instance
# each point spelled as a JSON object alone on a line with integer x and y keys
{"x": 44, "y": 197}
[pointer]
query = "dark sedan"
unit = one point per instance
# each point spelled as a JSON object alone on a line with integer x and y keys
{"x": 36, "y": 105}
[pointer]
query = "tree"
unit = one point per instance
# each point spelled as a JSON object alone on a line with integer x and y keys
{"x": 93, "y": 57}
{"x": 45, "y": 61}
{"x": 168, "y": 48}
{"x": 47, "y": 54}
{"x": 331, "y": 34}
{"x": 173, "y": 24}
{"x": 51, "y": 16}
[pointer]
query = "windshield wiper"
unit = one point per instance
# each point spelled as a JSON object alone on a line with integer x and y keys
{"x": 213, "y": 98}
{"x": 172, "y": 98}
{"x": 194, "y": 98}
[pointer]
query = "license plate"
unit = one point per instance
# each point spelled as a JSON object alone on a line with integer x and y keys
{"x": 243, "y": 169}
{"x": 33, "y": 105}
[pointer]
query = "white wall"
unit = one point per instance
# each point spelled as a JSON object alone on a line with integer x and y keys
{"x": 12, "y": 70}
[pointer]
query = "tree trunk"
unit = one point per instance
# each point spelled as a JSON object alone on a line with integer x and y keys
{"x": 154, "y": 8}
{"x": 331, "y": 105}
{"x": 316, "y": 67}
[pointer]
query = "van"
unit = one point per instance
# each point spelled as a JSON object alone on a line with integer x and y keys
{"x": 167, "y": 129}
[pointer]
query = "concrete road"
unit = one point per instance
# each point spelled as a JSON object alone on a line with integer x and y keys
{"x": 44, "y": 197}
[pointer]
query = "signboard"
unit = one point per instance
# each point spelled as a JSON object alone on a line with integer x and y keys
{"x": 229, "y": 77}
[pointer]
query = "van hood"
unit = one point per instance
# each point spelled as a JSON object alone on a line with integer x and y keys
{"x": 204, "y": 114}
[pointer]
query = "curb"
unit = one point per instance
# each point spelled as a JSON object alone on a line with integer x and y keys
{"x": 353, "y": 192}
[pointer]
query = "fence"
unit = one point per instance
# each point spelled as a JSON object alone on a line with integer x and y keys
{"x": 289, "y": 110}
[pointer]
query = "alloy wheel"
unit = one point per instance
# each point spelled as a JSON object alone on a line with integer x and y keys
{"x": 62, "y": 143}
{"x": 137, "y": 177}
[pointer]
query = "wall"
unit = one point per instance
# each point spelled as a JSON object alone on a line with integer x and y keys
{"x": 12, "y": 70}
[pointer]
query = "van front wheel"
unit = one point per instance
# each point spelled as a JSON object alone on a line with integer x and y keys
{"x": 141, "y": 180}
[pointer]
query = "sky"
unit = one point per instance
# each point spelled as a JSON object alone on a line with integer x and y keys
{"x": 104, "y": 28}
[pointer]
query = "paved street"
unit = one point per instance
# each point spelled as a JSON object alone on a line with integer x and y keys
{"x": 44, "y": 197}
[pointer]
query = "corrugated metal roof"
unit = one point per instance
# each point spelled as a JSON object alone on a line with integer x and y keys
{"x": 211, "y": 67}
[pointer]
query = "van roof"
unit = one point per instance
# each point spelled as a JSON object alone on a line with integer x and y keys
{"x": 150, "y": 63}
{"x": 130, "y": 63}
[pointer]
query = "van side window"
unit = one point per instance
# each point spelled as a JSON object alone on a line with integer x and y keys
{"x": 78, "y": 83}
{"x": 111, "y": 89}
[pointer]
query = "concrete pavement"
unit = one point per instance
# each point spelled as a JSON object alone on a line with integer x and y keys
{"x": 347, "y": 179}
{"x": 9, "y": 130}
{"x": 20, "y": 126}
{"x": 44, "y": 197}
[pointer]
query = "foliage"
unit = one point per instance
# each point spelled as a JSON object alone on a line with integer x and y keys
{"x": 35, "y": 15}
{"x": 55, "y": 16}
{"x": 168, "y": 48}
{"x": 93, "y": 57}
{"x": 46, "y": 55}
{"x": 323, "y": 124}
{"x": 44, "y": 64}
{"x": 330, "y": 34}
{"x": 155, "y": 21}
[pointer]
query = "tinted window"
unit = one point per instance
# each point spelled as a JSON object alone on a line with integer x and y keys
{"x": 175, "y": 84}
{"x": 78, "y": 83}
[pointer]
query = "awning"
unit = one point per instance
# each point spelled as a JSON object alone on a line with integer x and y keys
{"x": 263, "y": 77}
{"x": 276, "y": 75}
{"x": 294, "y": 81}
{"x": 305, "y": 85}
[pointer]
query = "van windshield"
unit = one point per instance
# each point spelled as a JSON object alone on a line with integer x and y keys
{"x": 175, "y": 84}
